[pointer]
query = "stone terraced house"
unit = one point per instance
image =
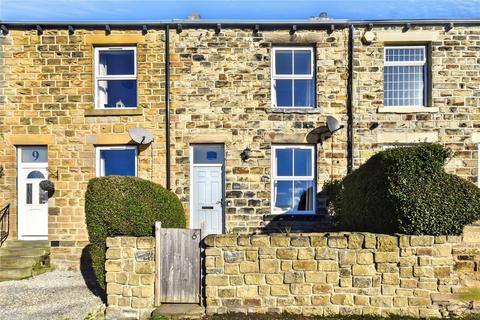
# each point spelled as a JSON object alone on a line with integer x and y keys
{"x": 238, "y": 113}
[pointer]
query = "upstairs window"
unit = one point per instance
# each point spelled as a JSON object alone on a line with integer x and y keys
{"x": 293, "y": 181}
{"x": 116, "y": 161}
{"x": 293, "y": 84}
{"x": 115, "y": 77}
{"x": 405, "y": 77}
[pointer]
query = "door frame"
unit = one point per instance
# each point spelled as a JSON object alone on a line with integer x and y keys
{"x": 192, "y": 165}
{"x": 20, "y": 168}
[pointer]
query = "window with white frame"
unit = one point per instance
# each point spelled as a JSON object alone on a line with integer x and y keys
{"x": 116, "y": 161}
{"x": 115, "y": 77}
{"x": 293, "y": 179}
{"x": 293, "y": 77}
{"x": 405, "y": 76}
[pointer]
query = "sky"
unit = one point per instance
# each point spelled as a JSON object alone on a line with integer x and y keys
{"x": 121, "y": 10}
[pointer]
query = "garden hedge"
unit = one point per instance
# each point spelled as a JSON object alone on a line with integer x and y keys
{"x": 405, "y": 190}
{"x": 126, "y": 206}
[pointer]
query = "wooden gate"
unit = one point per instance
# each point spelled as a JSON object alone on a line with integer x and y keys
{"x": 178, "y": 273}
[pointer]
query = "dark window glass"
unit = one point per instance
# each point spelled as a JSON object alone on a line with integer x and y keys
{"x": 303, "y": 196}
{"x": 284, "y": 160}
{"x": 284, "y": 92}
{"x": 117, "y": 62}
{"x": 29, "y": 193}
{"x": 303, "y": 162}
{"x": 303, "y": 61}
{"x": 304, "y": 93}
{"x": 118, "y": 162}
{"x": 118, "y": 93}
{"x": 283, "y": 62}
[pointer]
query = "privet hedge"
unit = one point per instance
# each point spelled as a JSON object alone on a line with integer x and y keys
{"x": 126, "y": 206}
{"x": 405, "y": 190}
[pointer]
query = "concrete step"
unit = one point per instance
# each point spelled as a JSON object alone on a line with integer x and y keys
{"x": 26, "y": 244}
{"x": 15, "y": 273}
{"x": 18, "y": 252}
{"x": 178, "y": 311}
{"x": 21, "y": 262}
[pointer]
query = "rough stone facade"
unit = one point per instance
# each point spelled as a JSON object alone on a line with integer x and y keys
{"x": 130, "y": 277}
{"x": 48, "y": 100}
{"x": 220, "y": 93}
{"x": 340, "y": 273}
{"x": 454, "y": 119}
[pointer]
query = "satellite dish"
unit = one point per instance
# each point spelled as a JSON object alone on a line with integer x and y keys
{"x": 140, "y": 135}
{"x": 333, "y": 125}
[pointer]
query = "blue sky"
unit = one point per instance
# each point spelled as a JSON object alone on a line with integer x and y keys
{"x": 120, "y": 10}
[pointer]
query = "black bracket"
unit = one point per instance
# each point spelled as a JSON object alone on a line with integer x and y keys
{"x": 218, "y": 28}
{"x": 71, "y": 30}
{"x": 293, "y": 29}
{"x": 4, "y": 29}
{"x": 108, "y": 29}
{"x": 179, "y": 28}
{"x": 39, "y": 29}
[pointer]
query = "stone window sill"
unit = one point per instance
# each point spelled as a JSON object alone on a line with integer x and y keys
{"x": 295, "y": 110}
{"x": 113, "y": 112}
{"x": 407, "y": 110}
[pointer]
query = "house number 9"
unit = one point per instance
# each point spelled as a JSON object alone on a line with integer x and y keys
{"x": 35, "y": 155}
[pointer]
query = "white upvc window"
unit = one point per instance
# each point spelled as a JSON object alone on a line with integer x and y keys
{"x": 405, "y": 76}
{"x": 293, "y": 77}
{"x": 116, "y": 161}
{"x": 293, "y": 179}
{"x": 115, "y": 77}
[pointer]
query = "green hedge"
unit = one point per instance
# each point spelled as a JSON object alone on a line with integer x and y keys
{"x": 405, "y": 190}
{"x": 126, "y": 206}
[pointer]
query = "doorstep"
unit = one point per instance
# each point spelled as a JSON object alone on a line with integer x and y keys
{"x": 179, "y": 311}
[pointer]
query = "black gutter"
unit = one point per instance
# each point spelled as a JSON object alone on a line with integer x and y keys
{"x": 167, "y": 104}
{"x": 351, "y": 31}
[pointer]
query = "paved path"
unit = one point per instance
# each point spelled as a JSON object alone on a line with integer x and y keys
{"x": 53, "y": 295}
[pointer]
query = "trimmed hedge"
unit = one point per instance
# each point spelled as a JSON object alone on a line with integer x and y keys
{"x": 405, "y": 190}
{"x": 126, "y": 206}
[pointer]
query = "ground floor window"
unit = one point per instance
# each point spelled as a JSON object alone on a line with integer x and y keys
{"x": 293, "y": 179}
{"x": 116, "y": 161}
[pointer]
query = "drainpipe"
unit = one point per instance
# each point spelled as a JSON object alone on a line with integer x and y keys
{"x": 351, "y": 31}
{"x": 167, "y": 104}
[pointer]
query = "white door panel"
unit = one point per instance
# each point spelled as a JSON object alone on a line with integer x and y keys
{"x": 32, "y": 200}
{"x": 207, "y": 199}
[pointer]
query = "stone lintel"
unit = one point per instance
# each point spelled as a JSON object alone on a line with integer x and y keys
{"x": 109, "y": 139}
{"x": 409, "y": 36}
{"x": 123, "y": 39}
{"x": 30, "y": 139}
{"x": 407, "y": 137}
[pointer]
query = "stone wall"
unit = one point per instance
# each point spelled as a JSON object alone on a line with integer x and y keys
{"x": 346, "y": 273}
{"x": 130, "y": 277}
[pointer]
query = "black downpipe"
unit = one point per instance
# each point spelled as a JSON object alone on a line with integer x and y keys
{"x": 351, "y": 31}
{"x": 167, "y": 104}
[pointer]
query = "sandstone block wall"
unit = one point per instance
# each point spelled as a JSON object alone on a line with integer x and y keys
{"x": 47, "y": 82}
{"x": 455, "y": 93}
{"x": 346, "y": 273}
{"x": 130, "y": 277}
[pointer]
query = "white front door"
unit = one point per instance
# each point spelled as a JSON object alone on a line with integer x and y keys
{"x": 207, "y": 189}
{"x": 32, "y": 200}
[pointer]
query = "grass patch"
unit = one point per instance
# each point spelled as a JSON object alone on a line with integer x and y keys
{"x": 470, "y": 294}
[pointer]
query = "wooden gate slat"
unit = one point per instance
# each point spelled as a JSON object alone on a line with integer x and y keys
{"x": 179, "y": 274}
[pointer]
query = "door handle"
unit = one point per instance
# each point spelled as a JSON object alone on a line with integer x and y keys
{"x": 220, "y": 202}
